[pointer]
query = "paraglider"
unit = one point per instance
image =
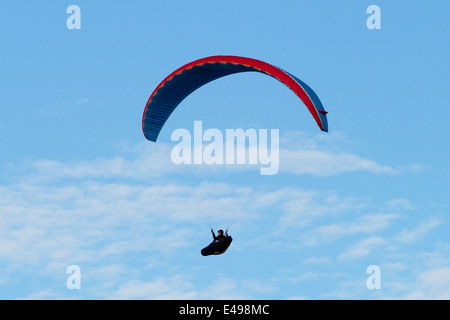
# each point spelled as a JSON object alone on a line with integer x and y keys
{"x": 190, "y": 77}
{"x": 219, "y": 245}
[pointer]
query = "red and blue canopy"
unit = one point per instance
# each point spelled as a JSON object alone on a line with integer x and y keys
{"x": 185, "y": 80}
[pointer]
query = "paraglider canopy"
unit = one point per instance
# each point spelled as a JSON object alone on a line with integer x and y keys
{"x": 188, "y": 78}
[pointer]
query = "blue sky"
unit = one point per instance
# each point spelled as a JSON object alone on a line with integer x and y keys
{"x": 80, "y": 185}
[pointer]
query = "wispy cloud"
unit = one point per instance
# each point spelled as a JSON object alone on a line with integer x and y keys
{"x": 65, "y": 223}
{"x": 326, "y": 156}
{"x": 431, "y": 284}
{"x": 102, "y": 212}
{"x": 362, "y": 248}
{"x": 410, "y": 236}
{"x": 367, "y": 224}
{"x": 300, "y": 154}
{"x": 138, "y": 163}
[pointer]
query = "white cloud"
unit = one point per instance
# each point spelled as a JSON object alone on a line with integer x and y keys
{"x": 181, "y": 287}
{"x": 400, "y": 204}
{"x": 362, "y": 248}
{"x": 367, "y": 224}
{"x": 318, "y": 260}
{"x": 409, "y": 236}
{"x": 171, "y": 288}
{"x": 322, "y": 163}
{"x": 323, "y": 155}
{"x": 143, "y": 162}
{"x": 432, "y": 284}
{"x": 99, "y": 213}
{"x": 318, "y": 156}
{"x": 67, "y": 223}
